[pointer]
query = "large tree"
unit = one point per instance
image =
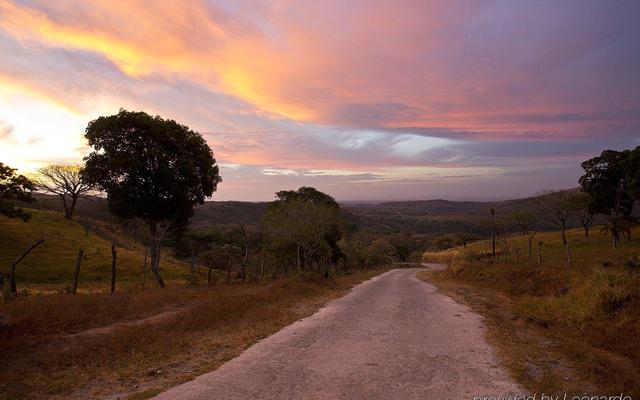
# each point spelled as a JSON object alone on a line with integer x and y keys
{"x": 14, "y": 187}
{"x": 66, "y": 182}
{"x": 609, "y": 179}
{"x": 150, "y": 168}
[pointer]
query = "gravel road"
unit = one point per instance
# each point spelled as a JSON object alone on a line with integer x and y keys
{"x": 392, "y": 337}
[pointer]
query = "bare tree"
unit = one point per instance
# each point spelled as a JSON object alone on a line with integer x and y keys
{"x": 580, "y": 202}
{"x": 64, "y": 181}
{"x": 555, "y": 207}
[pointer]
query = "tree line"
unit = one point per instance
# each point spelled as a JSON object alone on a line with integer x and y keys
{"x": 154, "y": 171}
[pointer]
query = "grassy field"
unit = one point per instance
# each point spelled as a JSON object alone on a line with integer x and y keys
{"x": 135, "y": 344}
{"x": 560, "y": 325}
{"x": 50, "y": 266}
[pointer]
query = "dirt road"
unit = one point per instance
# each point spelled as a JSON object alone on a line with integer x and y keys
{"x": 392, "y": 337}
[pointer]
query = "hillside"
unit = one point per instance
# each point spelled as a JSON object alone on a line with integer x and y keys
{"x": 421, "y": 217}
{"x": 582, "y": 313}
{"x": 53, "y": 261}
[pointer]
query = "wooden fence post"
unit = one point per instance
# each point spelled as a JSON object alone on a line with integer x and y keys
{"x": 12, "y": 275}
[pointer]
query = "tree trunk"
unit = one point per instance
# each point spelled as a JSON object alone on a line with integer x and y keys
{"x": 568, "y": 254}
{"x": 155, "y": 253}
{"x": 192, "y": 276}
{"x": 144, "y": 271}
{"x": 114, "y": 254}
{"x": 209, "y": 275}
{"x": 261, "y": 269}
{"x": 586, "y": 231}
{"x": 564, "y": 235}
{"x": 69, "y": 212}
{"x": 12, "y": 277}
{"x": 245, "y": 259}
{"x": 229, "y": 272}
{"x": 76, "y": 273}
{"x": 615, "y": 243}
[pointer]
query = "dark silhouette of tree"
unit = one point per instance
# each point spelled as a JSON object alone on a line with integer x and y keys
{"x": 616, "y": 227}
{"x": 64, "y": 181}
{"x": 608, "y": 181}
{"x": 554, "y": 206}
{"x": 151, "y": 168}
{"x": 14, "y": 187}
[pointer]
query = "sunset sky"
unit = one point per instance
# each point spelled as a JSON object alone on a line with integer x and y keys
{"x": 366, "y": 100}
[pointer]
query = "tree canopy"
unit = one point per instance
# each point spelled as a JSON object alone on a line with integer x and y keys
{"x": 610, "y": 179}
{"x": 150, "y": 168}
{"x": 14, "y": 187}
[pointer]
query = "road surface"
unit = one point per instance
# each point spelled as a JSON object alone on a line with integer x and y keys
{"x": 392, "y": 337}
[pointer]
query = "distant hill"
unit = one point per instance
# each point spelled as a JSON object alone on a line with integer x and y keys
{"x": 423, "y": 216}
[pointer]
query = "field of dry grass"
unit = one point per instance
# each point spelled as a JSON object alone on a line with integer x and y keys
{"x": 561, "y": 326}
{"x": 49, "y": 351}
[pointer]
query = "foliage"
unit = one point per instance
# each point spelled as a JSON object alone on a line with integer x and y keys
{"x": 150, "y": 168}
{"x": 609, "y": 180}
{"x": 380, "y": 252}
{"x": 14, "y": 187}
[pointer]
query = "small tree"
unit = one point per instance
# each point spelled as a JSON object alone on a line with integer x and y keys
{"x": 581, "y": 206}
{"x": 14, "y": 187}
{"x": 66, "y": 182}
{"x": 306, "y": 219}
{"x": 152, "y": 169}
{"x": 555, "y": 207}
{"x": 616, "y": 227}
{"x": 523, "y": 220}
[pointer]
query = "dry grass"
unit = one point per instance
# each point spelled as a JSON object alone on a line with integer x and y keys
{"x": 555, "y": 317}
{"x": 211, "y": 325}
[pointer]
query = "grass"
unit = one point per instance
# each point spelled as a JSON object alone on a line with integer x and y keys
{"x": 50, "y": 266}
{"x": 208, "y": 326}
{"x": 556, "y": 317}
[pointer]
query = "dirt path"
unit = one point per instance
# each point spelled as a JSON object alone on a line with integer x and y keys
{"x": 392, "y": 337}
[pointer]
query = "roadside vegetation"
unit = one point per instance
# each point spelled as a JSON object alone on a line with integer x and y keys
{"x": 107, "y": 289}
{"x": 563, "y": 307}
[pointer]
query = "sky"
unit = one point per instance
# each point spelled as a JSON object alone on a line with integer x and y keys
{"x": 365, "y": 100}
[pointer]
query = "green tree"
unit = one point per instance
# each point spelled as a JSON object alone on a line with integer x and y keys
{"x": 14, "y": 187}
{"x": 380, "y": 252}
{"x": 306, "y": 219}
{"x": 151, "y": 168}
{"x": 609, "y": 183}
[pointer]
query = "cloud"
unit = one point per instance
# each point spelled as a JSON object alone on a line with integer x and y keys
{"x": 6, "y": 133}
{"x": 404, "y": 92}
